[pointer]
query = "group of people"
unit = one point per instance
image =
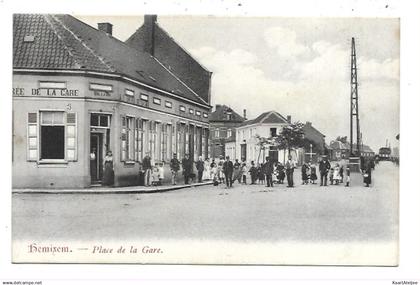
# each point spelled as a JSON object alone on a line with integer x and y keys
{"x": 227, "y": 172}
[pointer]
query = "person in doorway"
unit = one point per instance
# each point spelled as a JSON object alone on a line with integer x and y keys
{"x": 186, "y": 168}
{"x": 290, "y": 168}
{"x": 200, "y": 169}
{"x": 108, "y": 179}
{"x": 147, "y": 168}
{"x": 93, "y": 166}
{"x": 228, "y": 172}
{"x": 324, "y": 168}
{"x": 174, "y": 165}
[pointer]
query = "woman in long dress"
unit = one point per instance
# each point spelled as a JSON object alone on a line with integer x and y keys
{"x": 108, "y": 179}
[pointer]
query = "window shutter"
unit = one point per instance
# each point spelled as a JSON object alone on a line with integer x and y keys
{"x": 123, "y": 148}
{"x": 71, "y": 137}
{"x": 32, "y": 144}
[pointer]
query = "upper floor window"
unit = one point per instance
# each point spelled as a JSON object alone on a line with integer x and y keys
{"x": 273, "y": 132}
{"x": 182, "y": 108}
{"x": 156, "y": 101}
{"x": 129, "y": 95}
{"x": 216, "y": 133}
{"x": 205, "y": 115}
{"x": 229, "y": 133}
{"x": 168, "y": 104}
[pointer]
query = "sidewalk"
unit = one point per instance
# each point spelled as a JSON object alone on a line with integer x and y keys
{"x": 112, "y": 190}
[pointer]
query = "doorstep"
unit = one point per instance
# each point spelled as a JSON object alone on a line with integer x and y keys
{"x": 112, "y": 190}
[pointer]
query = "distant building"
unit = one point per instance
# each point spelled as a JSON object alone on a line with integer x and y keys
{"x": 250, "y": 133}
{"x": 340, "y": 150}
{"x": 317, "y": 143}
{"x": 223, "y": 123}
{"x": 78, "y": 92}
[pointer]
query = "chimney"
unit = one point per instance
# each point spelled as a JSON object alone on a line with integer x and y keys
{"x": 244, "y": 114}
{"x": 218, "y": 106}
{"x": 308, "y": 123}
{"x": 289, "y": 119}
{"x": 149, "y": 33}
{"x": 105, "y": 27}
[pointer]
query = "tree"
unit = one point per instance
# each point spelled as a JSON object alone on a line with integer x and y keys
{"x": 342, "y": 139}
{"x": 291, "y": 137}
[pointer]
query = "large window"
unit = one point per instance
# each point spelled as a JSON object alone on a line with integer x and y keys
{"x": 52, "y": 135}
{"x": 127, "y": 138}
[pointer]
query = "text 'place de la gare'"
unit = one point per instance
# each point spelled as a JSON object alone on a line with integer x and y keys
{"x": 77, "y": 89}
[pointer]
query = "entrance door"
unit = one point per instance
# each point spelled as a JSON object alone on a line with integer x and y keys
{"x": 96, "y": 155}
{"x": 243, "y": 152}
{"x": 273, "y": 154}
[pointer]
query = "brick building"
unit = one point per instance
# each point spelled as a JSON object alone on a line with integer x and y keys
{"x": 223, "y": 123}
{"x": 78, "y": 90}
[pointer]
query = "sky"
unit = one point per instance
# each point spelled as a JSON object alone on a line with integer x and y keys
{"x": 295, "y": 66}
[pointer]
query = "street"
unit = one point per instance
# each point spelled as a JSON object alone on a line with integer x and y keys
{"x": 243, "y": 213}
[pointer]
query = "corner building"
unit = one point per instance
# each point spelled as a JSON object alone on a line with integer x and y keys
{"x": 78, "y": 90}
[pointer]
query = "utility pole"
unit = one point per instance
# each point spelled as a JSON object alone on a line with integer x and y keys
{"x": 354, "y": 103}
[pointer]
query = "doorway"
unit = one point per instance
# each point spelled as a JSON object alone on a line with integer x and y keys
{"x": 96, "y": 157}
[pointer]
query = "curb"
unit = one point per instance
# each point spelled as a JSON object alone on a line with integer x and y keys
{"x": 110, "y": 190}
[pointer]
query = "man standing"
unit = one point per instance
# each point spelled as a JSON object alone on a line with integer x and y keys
{"x": 147, "y": 168}
{"x": 186, "y": 168}
{"x": 268, "y": 171}
{"x": 324, "y": 167}
{"x": 290, "y": 168}
{"x": 200, "y": 168}
{"x": 228, "y": 171}
{"x": 174, "y": 165}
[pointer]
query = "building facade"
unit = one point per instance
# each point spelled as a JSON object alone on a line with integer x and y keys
{"x": 78, "y": 92}
{"x": 316, "y": 146}
{"x": 251, "y": 133}
{"x": 223, "y": 123}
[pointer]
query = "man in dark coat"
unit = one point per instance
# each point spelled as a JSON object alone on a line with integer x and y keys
{"x": 254, "y": 172}
{"x": 268, "y": 172}
{"x": 174, "y": 165}
{"x": 228, "y": 171}
{"x": 186, "y": 168}
{"x": 324, "y": 168}
{"x": 147, "y": 168}
{"x": 290, "y": 168}
{"x": 200, "y": 168}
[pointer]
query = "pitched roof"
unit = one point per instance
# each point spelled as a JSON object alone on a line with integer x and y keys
{"x": 309, "y": 125}
{"x": 174, "y": 57}
{"x": 270, "y": 117}
{"x": 346, "y": 145}
{"x": 220, "y": 115}
{"x": 64, "y": 42}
